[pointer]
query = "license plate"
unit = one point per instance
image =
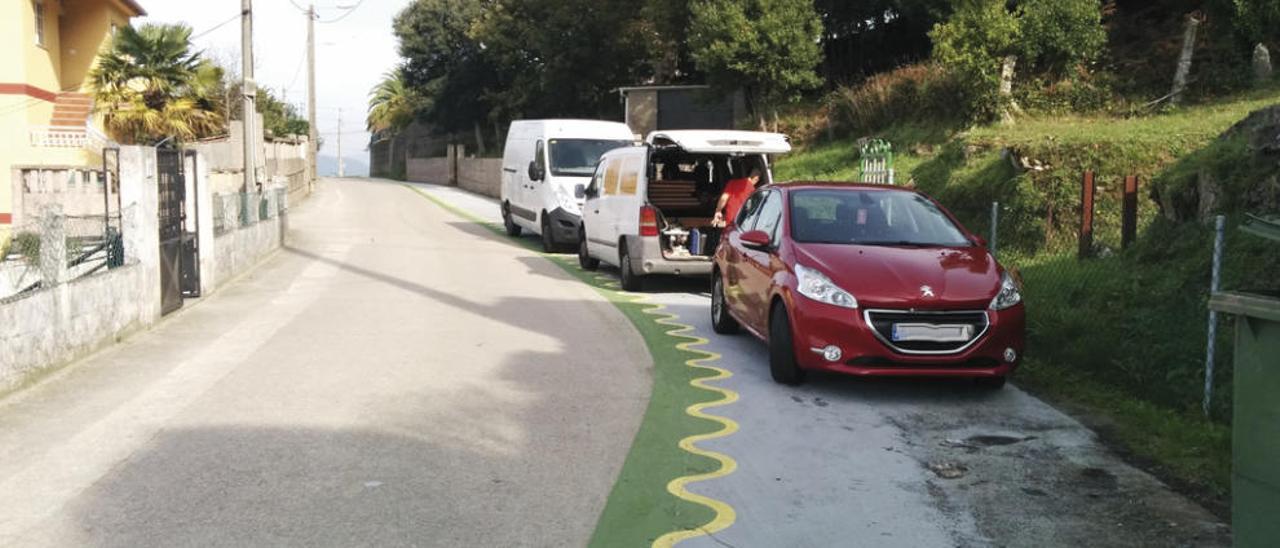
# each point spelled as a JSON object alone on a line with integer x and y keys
{"x": 928, "y": 332}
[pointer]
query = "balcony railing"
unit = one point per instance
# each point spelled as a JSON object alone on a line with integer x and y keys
{"x": 60, "y": 137}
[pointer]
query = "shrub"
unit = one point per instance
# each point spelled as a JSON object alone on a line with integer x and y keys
{"x": 923, "y": 92}
{"x": 1061, "y": 33}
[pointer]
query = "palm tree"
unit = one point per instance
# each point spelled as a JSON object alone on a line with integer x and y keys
{"x": 150, "y": 86}
{"x": 392, "y": 103}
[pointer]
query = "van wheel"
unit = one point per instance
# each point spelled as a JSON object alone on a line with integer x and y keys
{"x": 782, "y": 351}
{"x": 512, "y": 228}
{"x": 721, "y": 321}
{"x": 630, "y": 281}
{"x": 548, "y": 242}
{"x": 584, "y": 257}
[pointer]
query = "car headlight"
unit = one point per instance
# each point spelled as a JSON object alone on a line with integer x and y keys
{"x": 816, "y": 286}
{"x": 1010, "y": 294}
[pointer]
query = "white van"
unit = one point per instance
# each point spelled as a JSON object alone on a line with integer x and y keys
{"x": 545, "y": 168}
{"x": 648, "y": 208}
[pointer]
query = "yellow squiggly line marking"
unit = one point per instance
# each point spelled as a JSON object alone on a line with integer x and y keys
{"x": 725, "y": 514}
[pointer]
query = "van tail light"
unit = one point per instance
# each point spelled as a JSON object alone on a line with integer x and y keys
{"x": 648, "y": 221}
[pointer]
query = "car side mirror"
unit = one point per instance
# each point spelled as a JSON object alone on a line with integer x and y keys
{"x": 535, "y": 174}
{"x": 590, "y": 191}
{"x": 756, "y": 239}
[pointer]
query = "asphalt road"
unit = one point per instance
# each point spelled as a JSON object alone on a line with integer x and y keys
{"x": 392, "y": 378}
{"x": 911, "y": 463}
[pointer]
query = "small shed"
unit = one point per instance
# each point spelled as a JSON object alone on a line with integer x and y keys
{"x": 652, "y": 108}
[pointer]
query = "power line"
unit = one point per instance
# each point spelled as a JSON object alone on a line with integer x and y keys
{"x": 349, "y": 11}
{"x": 218, "y": 26}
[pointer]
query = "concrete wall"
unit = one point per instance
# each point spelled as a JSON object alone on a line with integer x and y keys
{"x": 65, "y": 321}
{"x": 481, "y": 175}
{"x": 427, "y": 170}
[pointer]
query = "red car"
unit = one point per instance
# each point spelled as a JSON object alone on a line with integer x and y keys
{"x": 865, "y": 280}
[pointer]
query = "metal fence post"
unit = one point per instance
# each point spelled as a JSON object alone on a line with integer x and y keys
{"x": 1215, "y": 283}
{"x": 995, "y": 223}
{"x": 1129, "y": 216}
{"x": 1087, "y": 193}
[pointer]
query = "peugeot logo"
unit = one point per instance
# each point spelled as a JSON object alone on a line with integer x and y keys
{"x": 926, "y": 291}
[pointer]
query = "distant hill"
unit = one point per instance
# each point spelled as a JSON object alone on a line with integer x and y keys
{"x": 355, "y": 167}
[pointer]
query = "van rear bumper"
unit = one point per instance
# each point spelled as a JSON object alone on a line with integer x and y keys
{"x": 564, "y": 226}
{"x": 646, "y": 258}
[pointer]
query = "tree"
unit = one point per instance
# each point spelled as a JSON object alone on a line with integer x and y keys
{"x": 150, "y": 86}
{"x": 278, "y": 117}
{"x": 392, "y": 104}
{"x": 871, "y": 36}
{"x": 563, "y": 57}
{"x": 976, "y": 43}
{"x": 767, "y": 48}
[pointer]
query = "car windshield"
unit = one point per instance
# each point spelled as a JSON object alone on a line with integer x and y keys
{"x": 578, "y": 157}
{"x": 871, "y": 217}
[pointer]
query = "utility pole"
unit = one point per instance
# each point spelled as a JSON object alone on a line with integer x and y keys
{"x": 312, "y": 134}
{"x": 247, "y": 89}
{"x": 341, "y": 171}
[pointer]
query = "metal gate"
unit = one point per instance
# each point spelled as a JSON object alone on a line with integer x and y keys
{"x": 190, "y": 232}
{"x": 172, "y": 198}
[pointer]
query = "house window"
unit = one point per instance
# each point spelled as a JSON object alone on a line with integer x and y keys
{"x": 38, "y": 5}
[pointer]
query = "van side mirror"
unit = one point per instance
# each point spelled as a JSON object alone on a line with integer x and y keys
{"x": 590, "y": 191}
{"x": 756, "y": 239}
{"x": 535, "y": 174}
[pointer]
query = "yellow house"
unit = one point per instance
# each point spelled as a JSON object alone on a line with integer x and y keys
{"x": 45, "y": 112}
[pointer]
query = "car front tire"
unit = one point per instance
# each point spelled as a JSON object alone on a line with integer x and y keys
{"x": 548, "y": 241}
{"x": 585, "y": 260}
{"x": 510, "y": 225}
{"x": 721, "y": 321}
{"x": 782, "y": 351}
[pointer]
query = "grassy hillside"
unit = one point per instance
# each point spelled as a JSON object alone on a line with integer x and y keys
{"x": 1120, "y": 337}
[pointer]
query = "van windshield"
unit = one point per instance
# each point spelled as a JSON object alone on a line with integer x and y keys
{"x": 578, "y": 157}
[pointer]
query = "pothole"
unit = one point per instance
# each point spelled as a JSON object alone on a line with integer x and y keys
{"x": 991, "y": 441}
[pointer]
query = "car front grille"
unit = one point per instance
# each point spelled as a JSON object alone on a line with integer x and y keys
{"x": 882, "y": 321}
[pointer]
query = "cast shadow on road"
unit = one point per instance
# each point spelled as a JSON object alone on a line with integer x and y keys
{"x": 478, "y": 460}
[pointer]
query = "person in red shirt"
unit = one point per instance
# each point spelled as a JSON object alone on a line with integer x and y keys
{"x": 735, "y": 194}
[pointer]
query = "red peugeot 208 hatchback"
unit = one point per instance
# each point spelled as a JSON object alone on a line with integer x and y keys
{"x": 865, "y": 280}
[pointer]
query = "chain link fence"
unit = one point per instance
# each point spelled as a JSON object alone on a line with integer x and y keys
{"x": 52, "y": 248}
{"x": 1134, "y": 317}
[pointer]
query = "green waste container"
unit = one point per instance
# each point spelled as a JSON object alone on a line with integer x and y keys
{"x": 1255, "y": 445}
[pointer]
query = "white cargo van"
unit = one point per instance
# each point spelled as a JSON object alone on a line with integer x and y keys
{"x": 545, "y": 168}
{"x": 648, "y": 208}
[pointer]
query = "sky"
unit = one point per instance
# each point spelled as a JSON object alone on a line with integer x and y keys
{"x": 352, "y": 53}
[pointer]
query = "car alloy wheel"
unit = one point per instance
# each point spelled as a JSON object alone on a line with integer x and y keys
{"x": 721, "y": 321}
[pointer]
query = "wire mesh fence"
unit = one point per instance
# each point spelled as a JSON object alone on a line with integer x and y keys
{"x": 94, "y": 243}
{"x": 1134, "y": 317}
{"x": 20, "y": 272}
